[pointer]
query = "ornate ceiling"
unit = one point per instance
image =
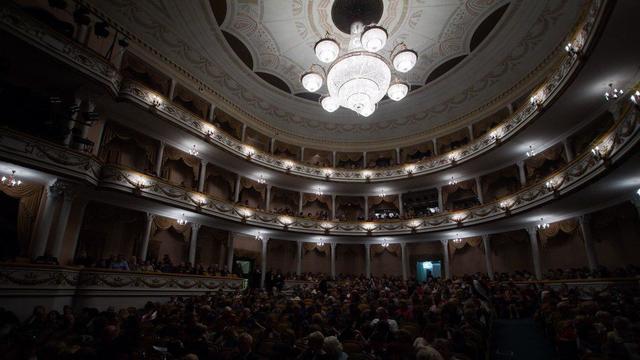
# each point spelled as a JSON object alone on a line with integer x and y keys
{"x": 475, "y": 56}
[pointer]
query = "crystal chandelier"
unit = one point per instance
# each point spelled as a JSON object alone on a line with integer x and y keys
{"x": 193, "y": 151}
{"x": 11, "y": 180}
{"x": 360, "y": 77}
{"x": 542, "y": 225}
{"x": 318, "y": 191}
{"x": 182, "y": 220}
{"x": 612, "y": 93}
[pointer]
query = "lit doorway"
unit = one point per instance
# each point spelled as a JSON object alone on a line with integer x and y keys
{"x": 427, "y": 268}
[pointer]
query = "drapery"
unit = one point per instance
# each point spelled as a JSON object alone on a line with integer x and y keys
{"x": 189, "y": 160}
{"x": 568, "y": 226}
{"x": 138, "y": 67}
{"x": 464, "y": 185}
{"x": 309, "y": 198}
{"x": 163, "y": 223}
{"x": 112, "y": 132}
{"x": 29, "y": 195}
{"x": 423, "y": 148}
{"x": 389, "y": 199}
{"x": 552, "y": 153}
{"x": 307, "y": 247}
{"x": 213, "y": 172}
{"x": 471, "y": 241}
{"x": 250, "y": 184}
{"x": 349, "y": 157}
{"x": 393, "y": 249}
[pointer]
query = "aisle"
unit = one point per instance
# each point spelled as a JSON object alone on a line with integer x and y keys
{"x": 520, "y": 339}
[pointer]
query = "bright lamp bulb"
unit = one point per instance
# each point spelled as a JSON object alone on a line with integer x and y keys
{"x": 397, "y": 91}
{"x": 327, "y": 50}
{"x": 329, "y": 104}
{"x": 374, "y": 38}
{"x": 311, "y": 81}
{"x": 405, "y": 60}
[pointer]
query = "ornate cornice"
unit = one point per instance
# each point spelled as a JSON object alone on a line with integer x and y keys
{"x": 12, "y": 20}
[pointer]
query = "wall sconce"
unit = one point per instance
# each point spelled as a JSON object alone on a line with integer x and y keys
{"x": 366, "y": 174}
{"x": 249, "y": 151}
{"x": 327, "y": 173}
{"x": 572, "y": 49}
{"x": 288, "y": 164}
{"x": 410, "y": 169}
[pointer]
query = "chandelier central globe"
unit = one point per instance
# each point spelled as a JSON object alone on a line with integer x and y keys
{"x": 360, "y": 77}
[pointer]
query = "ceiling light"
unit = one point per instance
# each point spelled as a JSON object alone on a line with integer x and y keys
{"x": 182, "y": 220}
{"x": 382, "y": 194}
{"x": 11, "y": 180}
{"x": 542, "y": 224}
{"x": 329, "y": 103}
{"x": 385, "y": 244}
{"x": 612, "y": 93}
{"x": 319, "y": 191}
{"x": 320, "y": 243}
{"x": 261, "y": 179}
{"x": 457, "y": 240}
{"x": 327, "y": 50}
{"x": 398, "y": 91}
{"x": 531, "y": 152}
{"x": 453, "y": 181}
{"x": 635, "y": 98}
{"x": 374, "y": 38}
{"x": 359, "y": 78}
{"x": 259, "y": 236}
{"x": 193, "y": 151}
{"x": 311, "y": 80}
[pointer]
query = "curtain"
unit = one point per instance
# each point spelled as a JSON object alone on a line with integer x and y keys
{"x": 390, "y": 199}
{"x": 213, "y": 172}
{"x": 309, "y": 198}
{"x": 163, "y": 223}
{"x": 250, "y": 184}
{"x": 568, "y": 226}
{"x": 472, "y": 241}
{"x": 349, "y": 157}
{"x": 175, "y": 154}
{"x": 393, "y": 249}
{"x": 464, "y": 185}
{"x": 29, "y": 195}
{"x": 307, "y": 247}
{"x": 553, "y": 153}
{"x": 112, "y": 132}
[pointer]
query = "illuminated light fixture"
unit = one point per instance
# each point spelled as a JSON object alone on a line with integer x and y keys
{"x": 259, "y": 236}
{"x": 261, "y": 179}
{"x": 249, "y": 151}
{"x": 458, "y": 217}
{"x": 210, "y": 130}
{"x": 550, "y": 184}
{"x": 414, "y": 223}
{"x": 531, "y": 152}
{"x": 572, "y": 49}
{"x": 453, "y": 156}
{"x": 182, "y": 220}
{"x": 366, "y": 174}
{"x": 457, "y": 240}
{"x": 285, "y": 220}
{"x": 612, "y": 93}
{"x": 410, "y": 168}
{"x": 288, "y": 164}
{"x": 319, "y": 191}
{"x": 155, "y": 100}
{"x": 638, "y": 192}
{"x": 11, "y": 180}
{"x": 327, "y": 172}
{"x": 398, "y": 91}
{"x": 360, "y": 77}
{"x": 244, "y": 212}
{"x": 385, "y": 244}
{"x": 382, "y": 194}
{"x": 542, "y": 225}
{"x": 368, "y": 226}
{"x": 635, "y": 98}
{"x": 193, "y": 151}
{"x": 329, "y": 103}
{"x": 453, "y": 181}
{"x": 427, "y": 265}
{"x": 320, "y": 243}
{"x": 506, "y": 204}
{"x": 326, "y": 225}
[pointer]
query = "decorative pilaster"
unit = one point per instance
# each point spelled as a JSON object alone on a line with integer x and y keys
{"x": 300, "y": 199}
{"x": 73, "y": 111}
{"x": 470, "y": 128}
{"x": 299, "y": 258}
{"x": 367, "y": 260}
{"x": 445, "y": 257}
{"x": 333, "y": 159}
{"x": 263, "y": 264}
{"x": 230, "y": 252}
{"x": 435, "y": 146}
{"x": 479, "y": 190}
{"x": 172, "y": 89}
{"x": 267, "y": 202}
{"x": 486, "y": 241}
{"x": 568, "y": 151}
{"x": 193, "y": 243}
{"x": 82, "y": 206}
{"x": 67, "y": 192}
{"x": 333, "y": 206}
{"x": 587, "y": 237}
{"x": 159, "y": 157}
{"x": 146, "y": 236}
{"x": 400, "y": 205}
{"x": 272, "y": 145}
{"x": 243, "y": 133}
{"x": 302, "y": 153}
{"x": 366, "y": 207}
{"x": 535, "y": 251}
{"x": 521, "y": 173}
{"x": 333, "y": 260}
{"x": 403, "y": 251}
{"x": 202, "y": 175}
{"x": 397, "y": 156}
{"x": 211, "y": 112}
{"x": 440, "y": 202}
{"x": 236, "y": 194}
{"x": 364, "y": 159}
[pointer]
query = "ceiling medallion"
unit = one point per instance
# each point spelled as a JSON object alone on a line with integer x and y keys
{"x": 361, "y": 77}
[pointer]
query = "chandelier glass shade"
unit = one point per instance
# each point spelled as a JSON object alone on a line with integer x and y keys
{"x": 360, "y": 77}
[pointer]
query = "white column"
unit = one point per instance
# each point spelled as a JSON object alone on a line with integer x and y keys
{"x": 243, "y": 133}
{"x": 202, "y": 175}
{"x": 470, "y": 128}
{"x": 521, "y": 173}
{"x": 333, "y": 207}
{"x": 445, "y": 257}
{"x": 68, "y": 193}
{"x": 300, "y": 198}
{"x": 367, "y": 260}
{"x": 211, "y": 113}
{"x": 299, "y": 259}
{"x": 333, "y": 260}
{"x": 146, "y": 236}
{"x": 333, "y": 159}
{"x": 510, "y": 109}
{"x": 435, "y": 146}
{"x": 486, "y": 241}
{"x": 75, "y": 236}
{"x": 230, "y": 252}
{"x": 221, "y": 256}
{"x": 535, "y": 251}
{"x": 440, "y": 202}
{"x": 159, "y": 156}
{"x": 172, "y": 89}
{"x": 479, "y": 189}
{"x": 567, "y": 150}
{"x": 403, "y": 252}
{"x": 364, "y": 159}
{"x": 263, "y": 263}
{"x": 272, "y": 145}
{"x": 302, "y": 153}
{"x": 193, "y": 243}
{"x": 45, "y": 219}
{"x": 397, "y": 155}
{"x": 587, "y": 237}
{"x": 366, "y": 207}
{"x": 267, "y": 202}
{"x": 236, "y": 195}
{"x": 400, "y": 205}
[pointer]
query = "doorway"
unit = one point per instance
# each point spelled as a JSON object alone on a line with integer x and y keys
{"x": 428, "y": 268}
